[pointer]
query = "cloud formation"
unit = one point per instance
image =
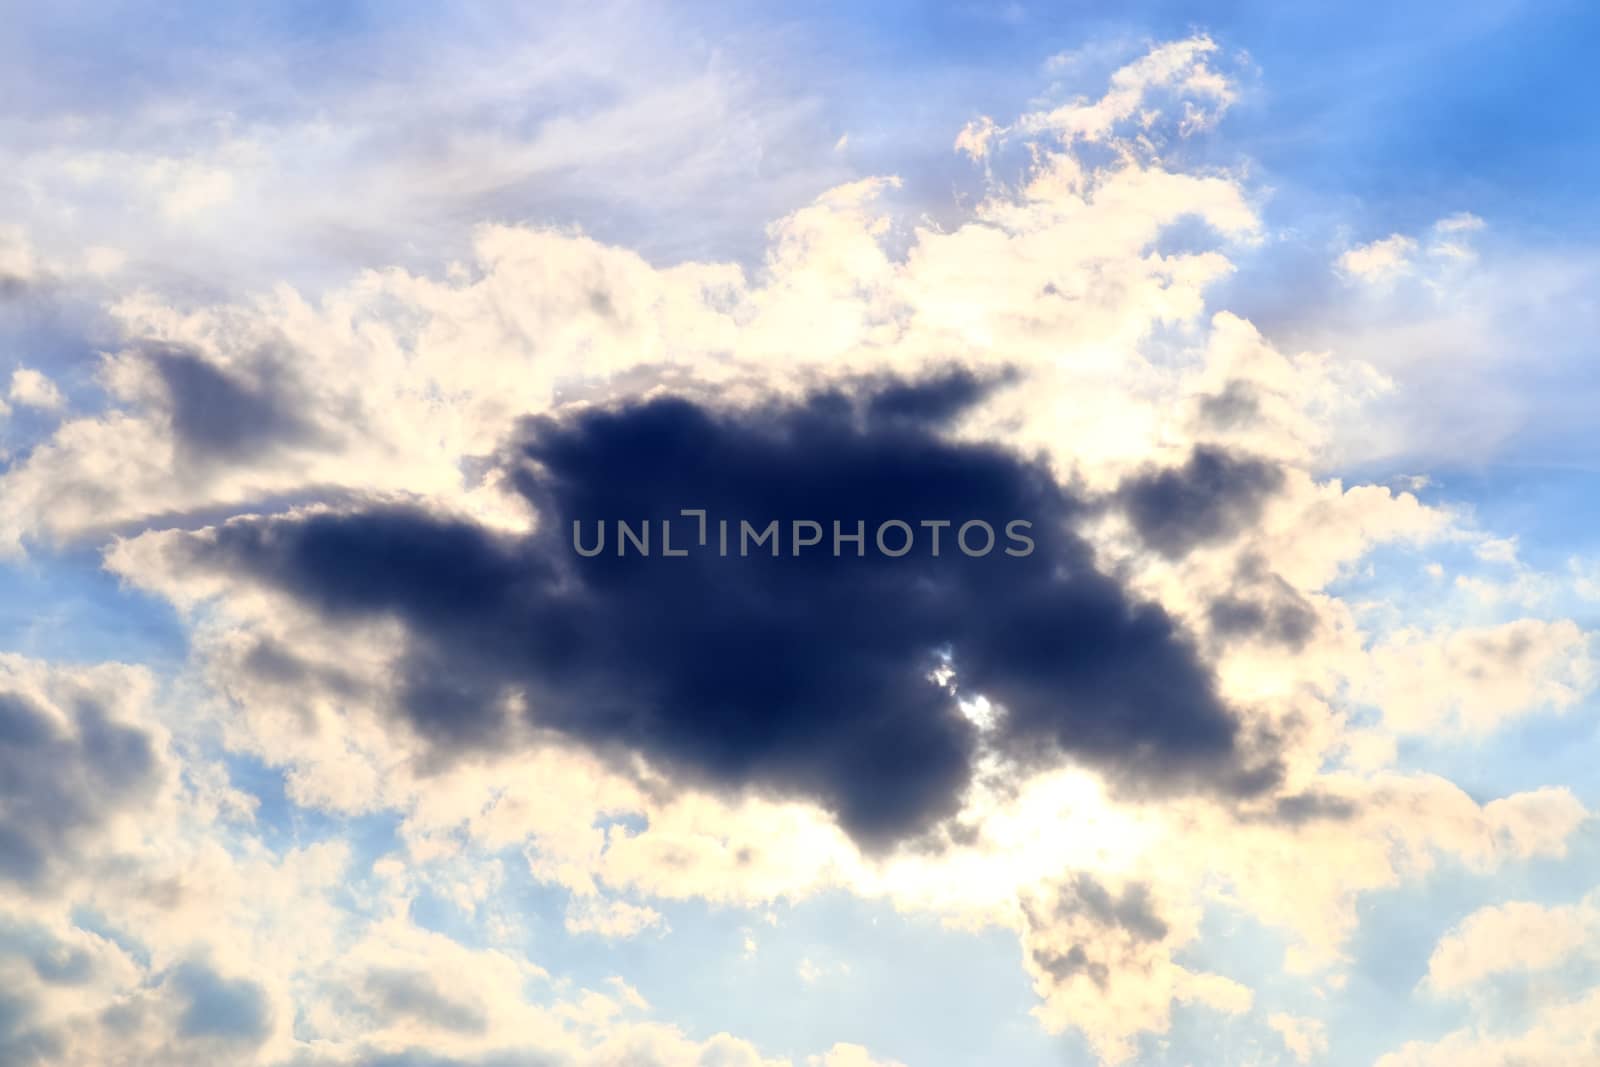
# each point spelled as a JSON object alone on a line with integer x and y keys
{"x": 802, "y": 673}
{"x": 1194, "y": 701}
{"x": 64, "y": 774}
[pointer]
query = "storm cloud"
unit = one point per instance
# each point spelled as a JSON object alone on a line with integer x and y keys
{"x": 809, "y": 675}
{"x": 1213, "y": 496}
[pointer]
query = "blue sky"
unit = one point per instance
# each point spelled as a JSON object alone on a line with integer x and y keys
{"x": 325, "y": 263}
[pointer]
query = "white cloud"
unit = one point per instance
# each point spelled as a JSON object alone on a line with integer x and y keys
{"x": 220, "y": 949}
{"x": 1557, "y": 1026}
{"x": 1562, "y": 1035}
{"x": 1497, "y": 550}
{"x": 1513, "y": 938}
{"x": 1478, "y": 678}
{"x": 644, "y": 122}
{"x": 811, "y": 971}
{"x": 19, "y": 264}
{"x": 610, "y": 919}
{"x": 1381, "y": 260}
{"x": 1462, "y": 222}
{"x": 1450, "y": 237}
{"x": 31, "y": 388}
{"x": 847, "y": 1055}
{"x": 103, "y": 260}
{"x": 1176, "y": 76}
{"x": 1305, "y": 1038}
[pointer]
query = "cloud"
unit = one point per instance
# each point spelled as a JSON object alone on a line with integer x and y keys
{"x": 1380, "y": 261}
{"x": 1562, "y": 1033}
{"x": 1450, "y": 241}
{"x": 409, "y": 376}
{"x": 318, "y": 630}
{"x": 238, "y": 179}
{"x": 810, "y": 971}
{"x": 65, "y": 773}
{"x": 1502, "y": 943}
{"x": 1102, "y": 960}
{"x": 212, "y": 944}
{"x": 399, "y": 995}
{"x": 1306, "y": 1039}
{"x": 1444, "y": 248}
{"x": 708, "y": 665}
{"x": 421, "y": 640}
{"x": 848, "y": 1055}
{"x": 1174, "y": 75}
{"x": 31, "y": 388}
{"x": 1478, "y": 678}
{"x": 610, "y": 919}
{"x": 1513, "y": 938}
{"x": 233, "y": 1010}
{"x": 1263, "y": 607}
{"x": 19, "y": 264}
{"x": 218, "y": 414}
{"x": 1211, "y": 497}
{"x": 1453, "y": 334}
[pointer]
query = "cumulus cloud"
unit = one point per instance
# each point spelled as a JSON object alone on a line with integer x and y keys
{"x": 209, "y": 947}
{"x": 1516, "y": 937}
{"x": 19, "y": 266}
{"x": 709, "y": 664}
{"x": 1306, "y": 1039}
{"x": 1563, "y": 1035}
{"x": 218, "y": 414}
{"x": 1478, "y": 678}
{"x": 31, "y": 388}
{"x": 609, "y": 918}
{"x": 229, "y": 1011}
{"x": 1102, "y": 960}
{"x": 1212, "y": 496}
{"x": 1380, "y": 260}
{"x": 848, "y": 1055}
{"x": 1445, "y": 246}
{"x": 1177, "y": 76}
{"x": 68, "y": 774}
{"x": 1500, "y": 942}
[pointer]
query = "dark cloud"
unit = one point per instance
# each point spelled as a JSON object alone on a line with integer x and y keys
{"x": 1064, "y": 965}
{"x": 1237, "y": 405}
{"x": 934, "y": 401}
{"x": 223, "y": 413}
{"x": 56, "y": 786}
{"x": 1263, "y": 607}
{"x": 55, "y": 962}
{"x": 1284, "y": 620}
{"x": 1130, "y": 914}
{"x": 800, "y": 675}
{"x": 1211, "y": 497}
{"x": 22, "y": 1044}
{"x": 1300, "y": 809}
{"x": 234, "y": 1010}
{"x": 407, "y": 994}
{"x": 1132, "y": 911}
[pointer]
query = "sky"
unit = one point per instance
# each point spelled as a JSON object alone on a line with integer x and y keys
{"x": 322, "y": 744}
